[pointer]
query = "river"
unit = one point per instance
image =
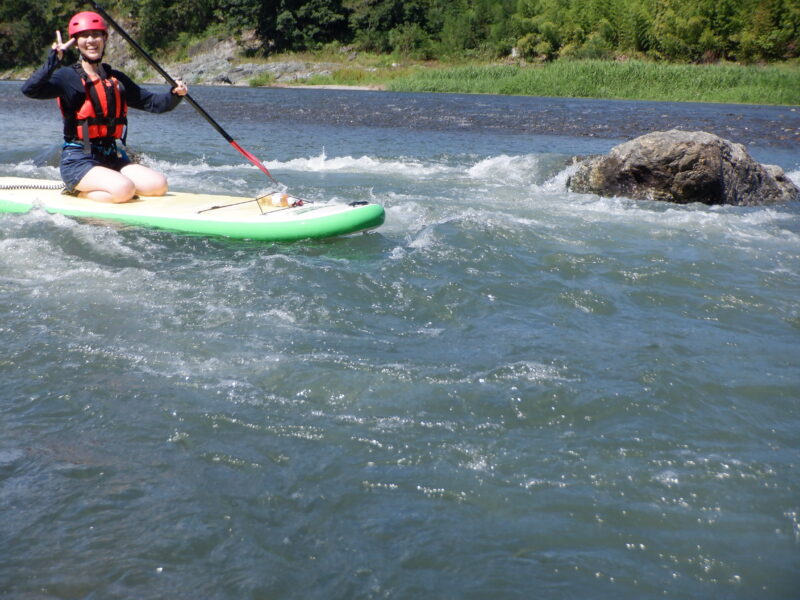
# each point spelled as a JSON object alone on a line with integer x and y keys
{"x": 507, "y": 391}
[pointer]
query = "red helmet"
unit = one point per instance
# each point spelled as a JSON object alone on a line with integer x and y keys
{"x": 86, "y": 21}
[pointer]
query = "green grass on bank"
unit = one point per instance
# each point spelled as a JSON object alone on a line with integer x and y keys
{"x": 633, "y": 80}
{"x": 358, "y": 76}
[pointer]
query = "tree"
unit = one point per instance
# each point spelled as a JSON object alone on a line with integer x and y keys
{"x": 301, "y": 25}
{"x": 27, "y": 28}
{"x": 155, "y": 26}
{"x": 372, "y": 20}
{"x": 238, "y": 14}
{"x": 772, "y": 32}
{"x": 686, "y": 30}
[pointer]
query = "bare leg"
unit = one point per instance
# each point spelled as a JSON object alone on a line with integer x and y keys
{"x": 106, "y": 185}
{"x": 147, "y": 181}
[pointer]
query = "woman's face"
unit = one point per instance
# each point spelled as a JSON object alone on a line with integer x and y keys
{"x": 91, "y": 43}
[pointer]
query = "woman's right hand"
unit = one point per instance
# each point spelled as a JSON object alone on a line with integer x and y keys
{"x": 60, "y": 46}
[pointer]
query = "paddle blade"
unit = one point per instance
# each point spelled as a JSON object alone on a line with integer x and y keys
{"x": 253, "y": 160}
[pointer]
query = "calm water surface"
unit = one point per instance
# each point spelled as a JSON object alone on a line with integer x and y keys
{"x": 507, "y": 391}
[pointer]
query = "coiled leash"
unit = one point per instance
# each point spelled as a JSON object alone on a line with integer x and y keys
{"x": 32, "y": 186}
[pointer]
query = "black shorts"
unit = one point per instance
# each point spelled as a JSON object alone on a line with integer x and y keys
{"x": 75, "y": 164}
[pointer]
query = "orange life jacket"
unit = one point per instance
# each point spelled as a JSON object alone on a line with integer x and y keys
{"x": 103, "y": 115}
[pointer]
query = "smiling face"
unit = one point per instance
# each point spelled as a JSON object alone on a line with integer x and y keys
{"x": 91, "y": 44}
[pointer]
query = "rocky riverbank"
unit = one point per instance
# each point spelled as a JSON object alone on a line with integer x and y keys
{"x": 224, "y": 62}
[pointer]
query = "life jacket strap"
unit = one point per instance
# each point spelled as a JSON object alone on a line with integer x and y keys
{"x": 87, "y": 143}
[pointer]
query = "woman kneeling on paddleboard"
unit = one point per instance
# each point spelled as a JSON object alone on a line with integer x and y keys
{"x": 93, "y": 99}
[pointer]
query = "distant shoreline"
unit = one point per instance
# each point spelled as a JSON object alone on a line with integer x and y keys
{"x": 361, "y": 88}
{"x": 728, "y": 83}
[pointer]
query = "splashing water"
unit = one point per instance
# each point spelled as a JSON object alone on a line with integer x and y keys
{"x": 507, "y": 390}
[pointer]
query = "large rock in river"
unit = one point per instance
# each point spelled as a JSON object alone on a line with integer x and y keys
{"x": 684, "y": 166}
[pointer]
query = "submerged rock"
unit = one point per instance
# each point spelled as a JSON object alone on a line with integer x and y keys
{"x": 684, "y": 166}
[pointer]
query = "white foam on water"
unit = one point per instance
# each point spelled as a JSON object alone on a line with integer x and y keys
{"x": 763, "y": 224}
{"x": 48, "y": 273}
{"x": 506, "y": 182}
{"x": 398, "y": 253}
{"x": 404, "y": 212}
{"x": 666, "y": 219}
{"x": 426, "y": 238}
{"x": 198, "y": 166}
{"x": 507, "y": 170}
{"x": 193, "y": 167}
{"x": 502, "y": 170}
{"x": 27, "y": 168}
{"x": 238, "y": 179}
{"x": 364, "y": 164}
{"x": 558, "y": 182}
{"x": 22, "y": 261}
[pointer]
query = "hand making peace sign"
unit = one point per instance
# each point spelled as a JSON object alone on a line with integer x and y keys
{"x": 60, "y": 46}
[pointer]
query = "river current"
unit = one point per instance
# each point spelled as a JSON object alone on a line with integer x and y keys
{"x": 507, "y": 391}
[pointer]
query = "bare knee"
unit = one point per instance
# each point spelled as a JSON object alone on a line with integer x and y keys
{"x": 156, "y": 185}
{"x": 122, "y": 190}
{"x": 148, "y": 182}
{"x": 106, "y": 185}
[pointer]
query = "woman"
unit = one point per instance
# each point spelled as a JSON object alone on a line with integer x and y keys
{"x": 94, "y": 99}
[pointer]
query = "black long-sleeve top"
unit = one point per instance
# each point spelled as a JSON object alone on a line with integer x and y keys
{"x": 50, "y": 82}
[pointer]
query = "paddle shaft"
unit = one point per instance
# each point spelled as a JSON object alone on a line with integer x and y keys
{"x": 187, "y": 97}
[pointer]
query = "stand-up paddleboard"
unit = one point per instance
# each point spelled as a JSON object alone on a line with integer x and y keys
{"x": 268, "y": 218}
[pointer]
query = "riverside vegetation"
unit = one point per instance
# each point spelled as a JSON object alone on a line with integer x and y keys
{"x": 591, "y": 78}
{"x": 678, "y": 50}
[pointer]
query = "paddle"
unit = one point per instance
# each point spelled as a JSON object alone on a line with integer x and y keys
{"x": 188, "y": 98}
